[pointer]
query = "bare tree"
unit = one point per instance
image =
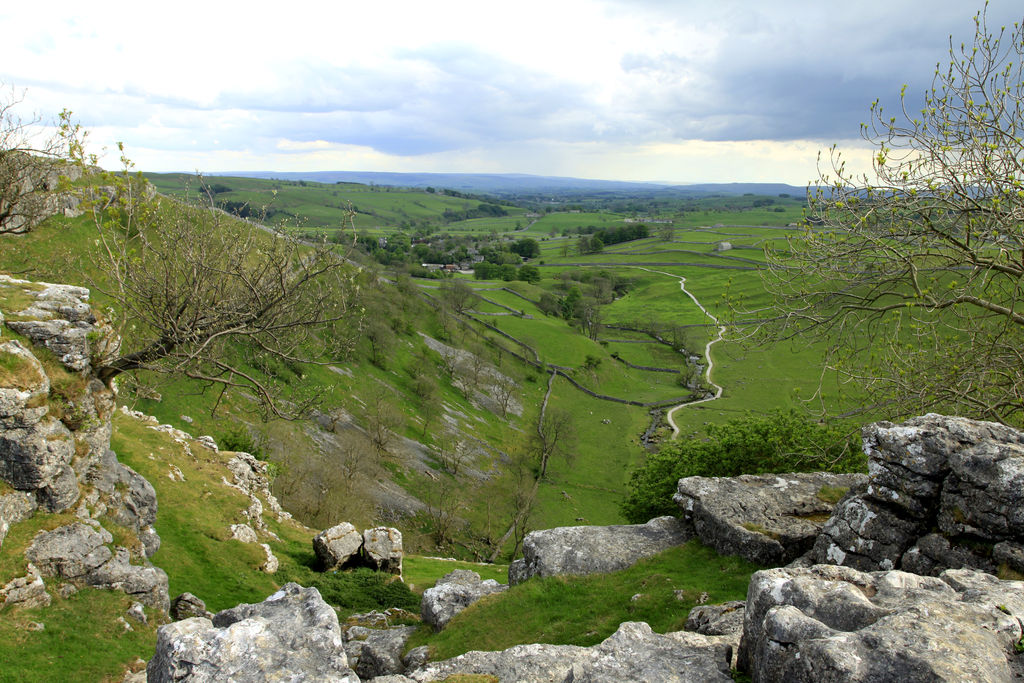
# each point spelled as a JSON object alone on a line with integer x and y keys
{"x": 555, "y": 436}
{"x": 914, "y": 278}
{"x": 384, "y": 421}
{"x": 31, "y": 164}
{"x": 201, "y": 294}
{"x": 453, "y": 452}
{"x": 457, "y": 295}
{"x": 505, "y": 392}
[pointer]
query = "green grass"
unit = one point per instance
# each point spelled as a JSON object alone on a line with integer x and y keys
{"x": 421, "y": 573}
{"x": 82, "y": 639}
{"x": 586, "y": 610}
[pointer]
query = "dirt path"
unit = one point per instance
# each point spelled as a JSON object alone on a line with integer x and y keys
{"x": 707, "y": 352}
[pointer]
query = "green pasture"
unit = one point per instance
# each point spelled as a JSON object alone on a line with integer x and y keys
{"x": 568, "y": 220}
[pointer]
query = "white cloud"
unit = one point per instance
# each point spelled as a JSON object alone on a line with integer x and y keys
{"x": 630, "y": 89}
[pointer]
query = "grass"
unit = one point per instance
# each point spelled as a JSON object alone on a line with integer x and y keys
{"x": 421, "y": 573}
{"x": 17, "y": 371}
{"x": 586, "y": 610}
{"x": 83, "y": 639}
{"x": 831, "y": 494}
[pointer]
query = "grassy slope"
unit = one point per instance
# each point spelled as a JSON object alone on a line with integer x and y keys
{"x": 586, "y": 610}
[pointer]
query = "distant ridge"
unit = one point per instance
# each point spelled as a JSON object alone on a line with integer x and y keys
{"x": 518, "y": 183}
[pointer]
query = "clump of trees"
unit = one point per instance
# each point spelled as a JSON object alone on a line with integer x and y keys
{"x": 782, "y": 441}
{"x": 913, "y": 278}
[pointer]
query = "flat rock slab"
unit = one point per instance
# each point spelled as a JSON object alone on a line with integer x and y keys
{"x": 767, "y": 519}
{"x": 633, "y": 653}
{"x": 833, "y": 623}
{"x": 594, "y": 549}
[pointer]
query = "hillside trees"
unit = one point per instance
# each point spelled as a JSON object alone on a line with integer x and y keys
{"x": 203, "y": 295}
{"x": 914, "y": 279}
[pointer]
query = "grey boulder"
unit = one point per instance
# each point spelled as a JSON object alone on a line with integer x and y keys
{"x": 293, "y": 635}
{"x": 382, "y": 549}
{"x": 833, "y": 623}
{"x": 594, "y": 549}
{"x": 78, "y": 552}
{"x": 336, "y": 546}
{"x": 453, "y": 593}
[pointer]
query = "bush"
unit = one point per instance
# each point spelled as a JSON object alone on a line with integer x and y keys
{"x": 782, "y": 441}
{"x": 238, "y": 438}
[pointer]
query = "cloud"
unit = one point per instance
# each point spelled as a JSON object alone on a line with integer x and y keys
{"x": 534, "y": 86}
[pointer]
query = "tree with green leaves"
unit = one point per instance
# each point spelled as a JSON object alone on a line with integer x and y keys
{"x": 913, "y": 277}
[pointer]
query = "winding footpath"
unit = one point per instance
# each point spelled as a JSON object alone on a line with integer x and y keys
{"x": 707, "y": 352}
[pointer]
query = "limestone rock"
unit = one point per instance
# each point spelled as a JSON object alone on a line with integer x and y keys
{"x": 381, "y": 652}
{"x": 25, "y": 591}
{"x": 70, "y": 551}
{"x": 334, "y": 547}
{"x": 35, "y": 457}
{"x": 453, "y": 593}
{"x": 830, "y": 622}
{"x": 632, "y": 653}
{"x": 291, "y": 636}
{"x": 24, "y": 403}
{"x": 127, "y": 497}
{"x": 244, "y": 533}
{"x": 146, "y": 584}
{"x": 382, "y": 549}
{"x": 186, "y": 606}
{"x": 60, "y": 319}
{"x": 272, "y": 564}
{"x": 15, "y": 507}
{"x": 594, "y": 549}
{"x": 717, "y": 620}
{"x": 79, "y": 553}
{"x": 934, "y": 482}
{"x": 767, "y": 519}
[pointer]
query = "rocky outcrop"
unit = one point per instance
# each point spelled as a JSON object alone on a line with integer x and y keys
{"x": 59, "y": 317}
{"x": 454, "y": 592}
{"x": 594, "y": 549}
{"x": 55, "y": 443}
{"x": 25, "y": 591}
{"x": 633, "y": 653}
{"x": 942, "y": 492}
{"x": 81, "y": 554}
{"x": 292, "y": 635}
{"x": 767, "y": 519}
{"x": 343, "y": 547}
{"x": 831, "y": 623}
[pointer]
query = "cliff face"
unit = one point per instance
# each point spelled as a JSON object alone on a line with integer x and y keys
{"x": 55, "y": 456}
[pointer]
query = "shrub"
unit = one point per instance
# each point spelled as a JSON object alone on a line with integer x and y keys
{"x": 782, "y": 441}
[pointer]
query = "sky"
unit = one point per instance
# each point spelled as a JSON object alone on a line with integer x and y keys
{"x": 682, "y": 91}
